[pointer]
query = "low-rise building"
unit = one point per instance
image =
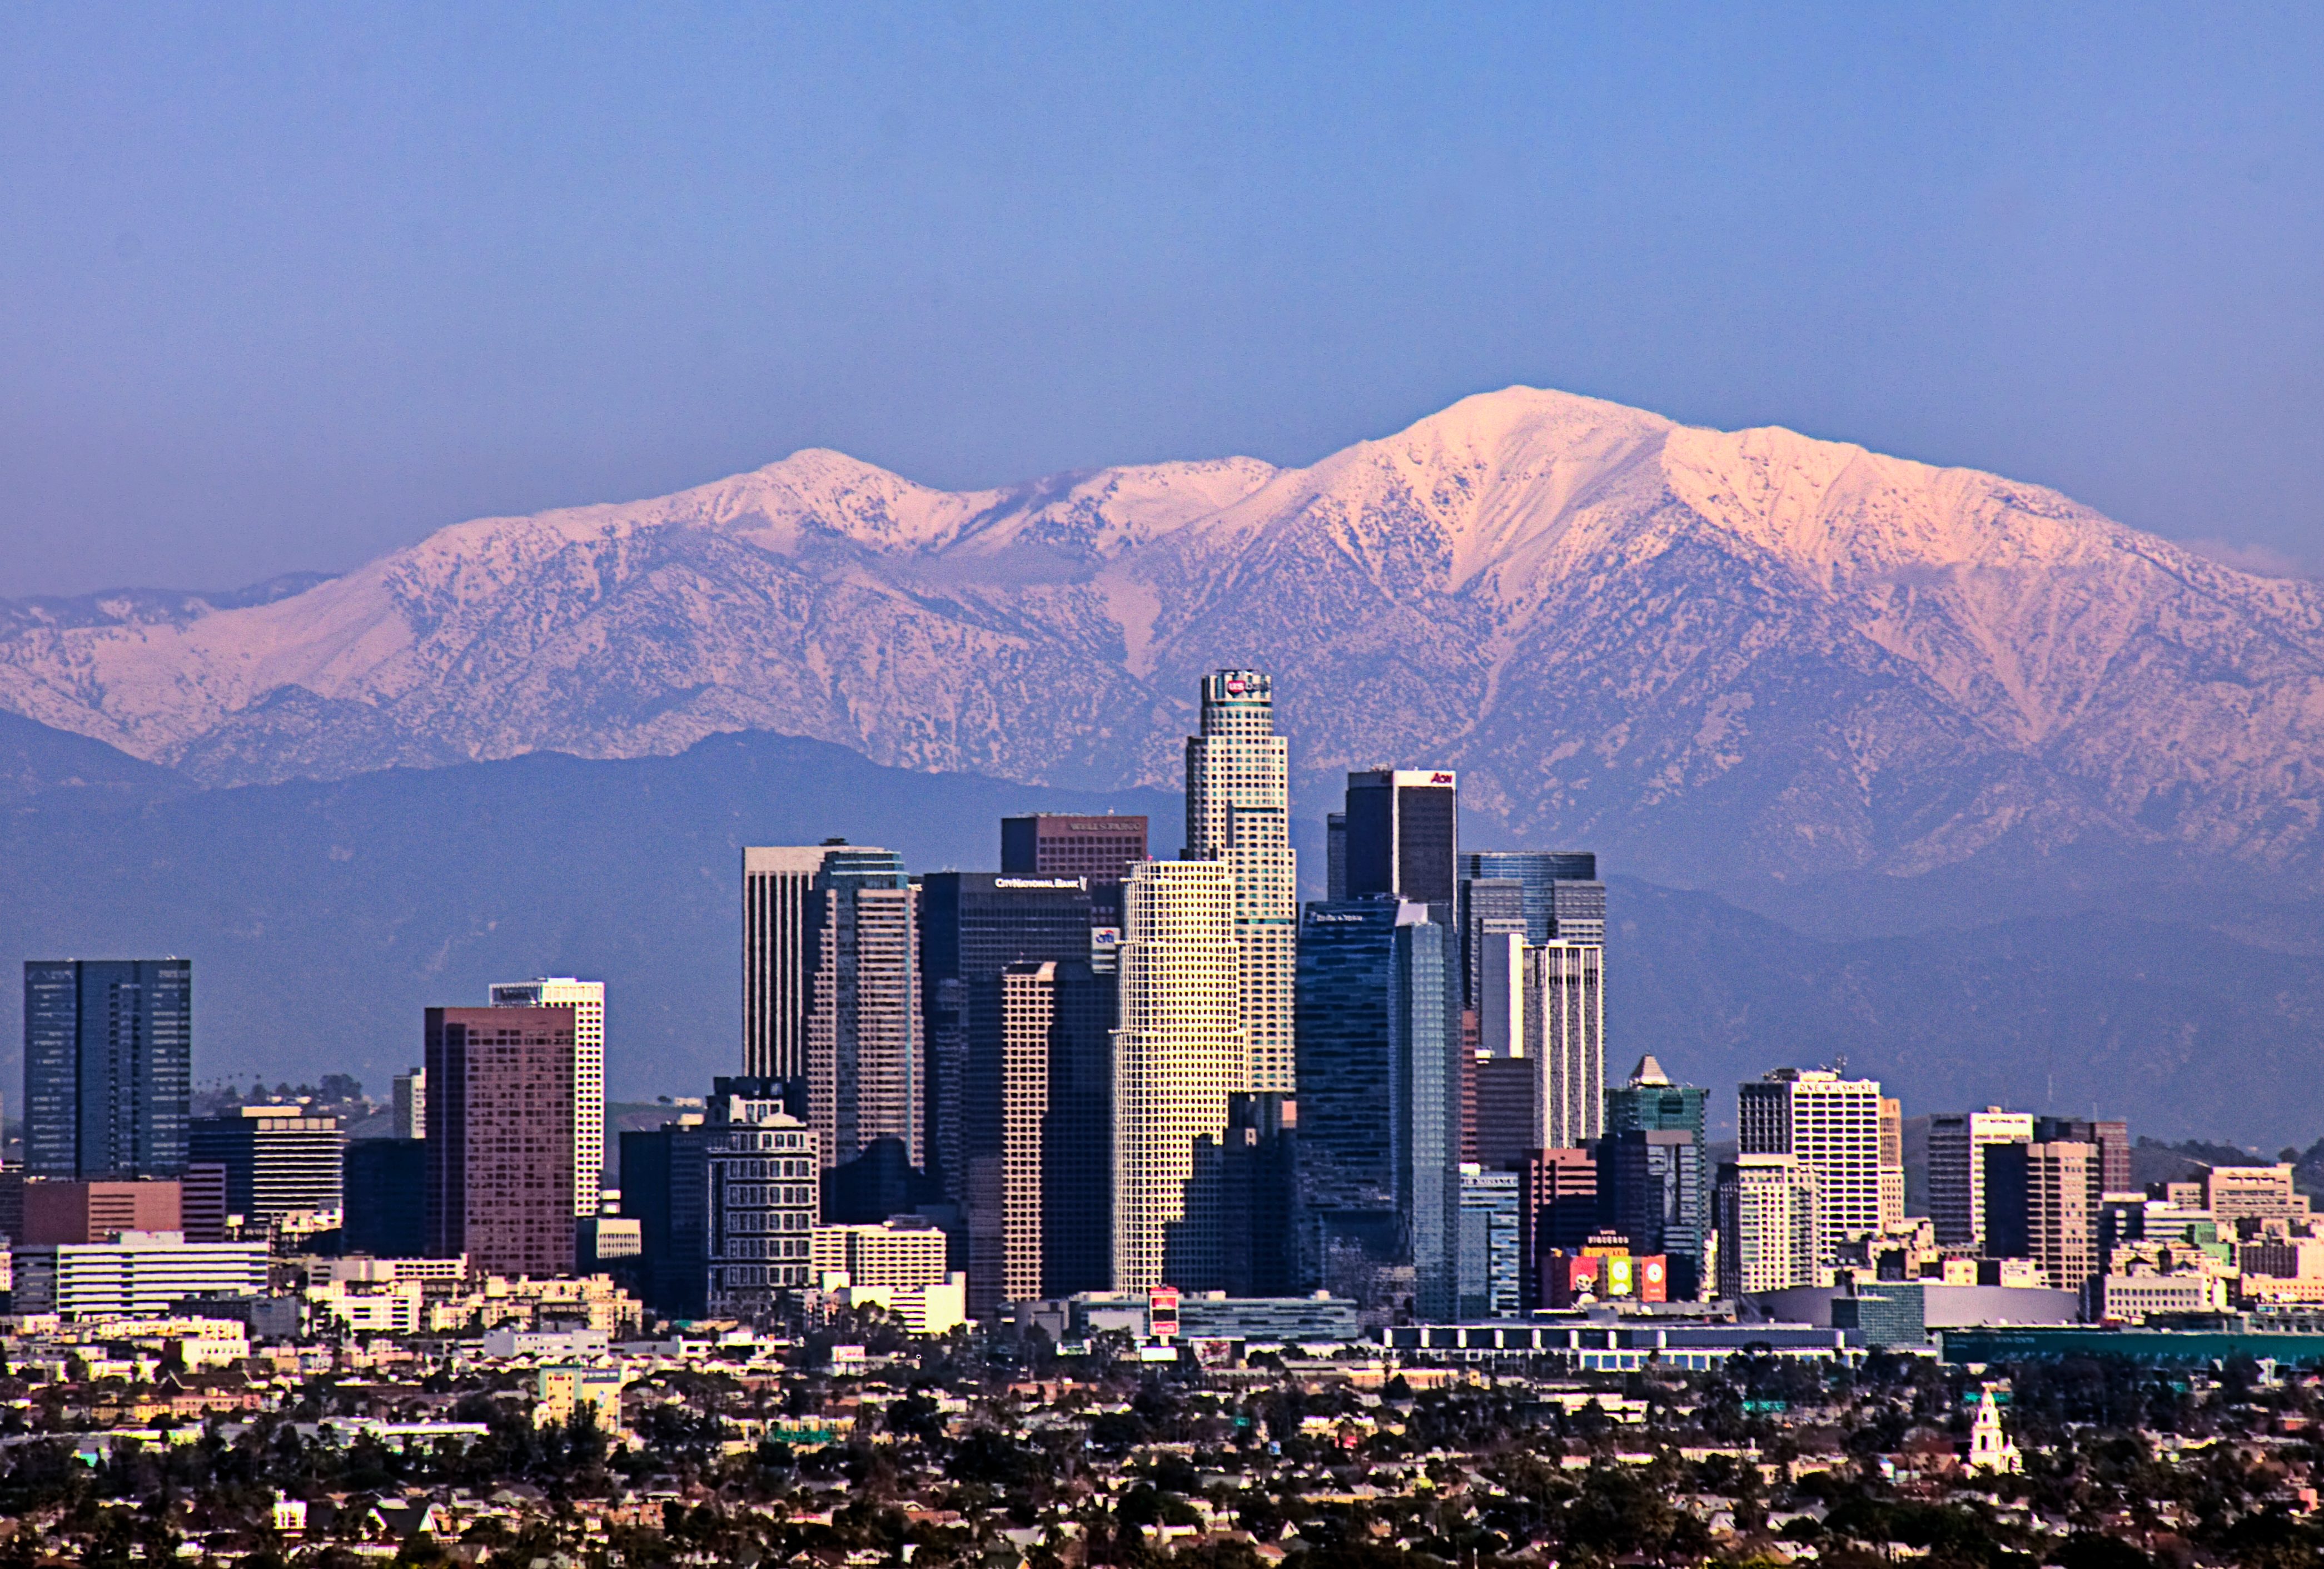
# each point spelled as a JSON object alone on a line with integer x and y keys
{"x": 143, "y": 1275}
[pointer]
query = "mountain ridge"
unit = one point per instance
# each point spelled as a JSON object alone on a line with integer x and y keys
{"x": 1717, "y": 654}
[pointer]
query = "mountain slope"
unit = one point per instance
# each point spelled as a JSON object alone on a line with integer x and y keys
{"x": 1711, "y": 654}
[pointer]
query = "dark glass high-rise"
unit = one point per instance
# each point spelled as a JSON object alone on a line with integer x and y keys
{"x": 109, "y": 1066}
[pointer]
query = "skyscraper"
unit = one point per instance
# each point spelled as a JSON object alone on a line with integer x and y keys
{"x": 865, "y": 1040}
{"x": 1238, "y": 812}
{"x": 1335, "y": 856}
{"x": 587, "y": 1001}
{"x": 500, "y": 1138}
{"x": 1380, "y": 1090}
{"x": 1673, "y": 1205}
{"x": 278, "y": 1159}
{"x": 764, "y": 1204}
{"x": 1015, "y": 1015}
{"x": 666, "y": 1186}
{"x": 1403, "y": 828}
{"x": 409, "y": 1111}
{"x": 1263, "y": 1195}
{"x": 777, "y": 961}
{"x": 1831, "y": 1126}
{"x": 1490, "y": 1252}
{"x": 1767, "y": 1225}
{"x": 109, "y": 1066}
{"x": 1495, "y": 933}
{"x": 1103, "y": 849}
{"x": 1424, "y": 1107}
{"x": 972, "y": 925}
{"x": 1892, "y": 1162}
{"x": 1180, "y": 1052}
{"x": 1077, "y": 1138}
{"x": 2037, "y": 1206}
{"x": 1563, "y": 898}
{"x": 1565, "y": 1035}
{"x": 1957, "y": 1144}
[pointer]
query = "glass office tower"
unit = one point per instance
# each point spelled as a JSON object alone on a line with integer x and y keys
{"x": 1380, "y": 1030}
{"x": 109, "y": 1067}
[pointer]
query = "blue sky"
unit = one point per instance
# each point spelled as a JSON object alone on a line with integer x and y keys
{"x": 284, "y": 287}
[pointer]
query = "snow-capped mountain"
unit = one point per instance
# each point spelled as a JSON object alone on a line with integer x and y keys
{"x": 1707, "y": 650}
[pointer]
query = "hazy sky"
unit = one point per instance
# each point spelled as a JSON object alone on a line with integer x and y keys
{"x": 284, "y": 288}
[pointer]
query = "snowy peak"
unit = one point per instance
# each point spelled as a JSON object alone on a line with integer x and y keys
{"x": 1695, "y": 648}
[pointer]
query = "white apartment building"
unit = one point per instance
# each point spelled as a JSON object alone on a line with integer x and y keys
{"x": 1239, "y": 812}
{"x": 587, "y": 1000}
{"x": 1767, "y": 1227}
{"x": 1179, "y": 1053}
{"x": 1958, "y": 1141}
{"x": 1832, "y": 1127}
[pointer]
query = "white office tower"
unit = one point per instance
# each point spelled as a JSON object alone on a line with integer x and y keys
{"x": 1565, "y": 1035}
{"x": 1958, "y": 1141}
{"x": 1831, "y": 1126}
{"x": 1501, "y": 1011}
{"x": 1766, "y": 1226}
{"x": 587, "y": 1001}
{"x": 410, "y": 1109}
{"x": 1238, "y": 811}
{"x": 780, "y": 899}
{"x": 1177, "y": 1056}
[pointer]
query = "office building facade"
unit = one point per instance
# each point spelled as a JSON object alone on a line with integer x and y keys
{"x": 1379, "y": 1034}
{"x": 384, "y": 1209}
{"x": 1179, "y": 1053}
{"x": 587, "y": 1001}
{"x": 1505, "y": 1126}
{"x": 1958, "y": 1141}
{"x": 1494, "y": 939}
{"x": 764, "y": 1178}
{"x": 666, "y": 1189}
{"x": 1562, "y": 897}
{"x": 1403, "y": 835}
{"x": 1490, "y": 1278}
{"x": 2037, "y": 1206}
{"x": 1676, "y": 1203}
{"x": 1831, "y": 1126}
{"x": 56, "y": 1213}
{"x": 1077, "y": 1136}
{"x": 500, "y": 1138}
{"x": 408, "y": 1105}
{"x": 109, "y": 1066}
{"x": 1557, "y": 1213}
{"x": 1239, "y": 813}
{"x": 1261, "y": 1200}
{"x": 778, "y": 901}
{"x": 1103, "y": 849}
{"x": 1565, "y": 1037}
{"x": 1768, "y": 1225}
{"x": 143, "y": 1275}
{"x": 1008, "y": 1110}
{"x": 278, "y": 1159}
{"x": 865, "y": 1038}
{"x": 972, "y": 925}
{"x": 1891, "y": 1163}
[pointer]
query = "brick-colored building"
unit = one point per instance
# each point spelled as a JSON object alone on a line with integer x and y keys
{"x": 501, "y": 1088}
{"x": 73, "y": 1214}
